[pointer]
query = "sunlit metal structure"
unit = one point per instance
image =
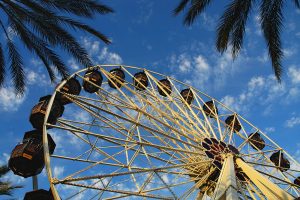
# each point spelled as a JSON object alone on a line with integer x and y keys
{"x": 146, "y": 135}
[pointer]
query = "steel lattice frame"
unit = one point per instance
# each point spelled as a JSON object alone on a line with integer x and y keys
{"x": 140, "y": 144}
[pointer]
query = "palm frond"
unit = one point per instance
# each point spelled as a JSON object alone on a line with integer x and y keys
{"x": 196, "y": 8}
{"x": 2, "y": 66}
{"x": 16, "y": 67}
{"x": 81, "y": 26}
{"x": 297, "y": 3}
{"x": 35, "y": 44}
{"x": 231, "y": 27}
{"x": 180, "y": 7}
{"x": 78, "y": 7}
{"x": 57, "y": 34}
{"x": 3, "y": 170}
{"x": 271, "y": 23}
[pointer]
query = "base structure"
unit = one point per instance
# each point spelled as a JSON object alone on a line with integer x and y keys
{"x": 226, "y": 188}
{"x": 35, "y": 182}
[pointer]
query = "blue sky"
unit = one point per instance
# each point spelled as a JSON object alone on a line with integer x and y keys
{"x": 145, "y": 34}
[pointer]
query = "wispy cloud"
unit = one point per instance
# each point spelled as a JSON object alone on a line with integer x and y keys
{"x": 9, "y": 101}
{"x": 294, "y": 121}
{"x": 99, "y": 55}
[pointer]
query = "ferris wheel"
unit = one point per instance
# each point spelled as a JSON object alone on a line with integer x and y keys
{"x": 124, "y": 132}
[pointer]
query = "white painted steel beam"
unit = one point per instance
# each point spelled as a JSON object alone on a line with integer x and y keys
{"x": 269, "y": 189}
{"x": 226, "y": 188}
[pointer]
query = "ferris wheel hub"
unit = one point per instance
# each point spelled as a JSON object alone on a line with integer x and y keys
{"x": 217, "y": 150}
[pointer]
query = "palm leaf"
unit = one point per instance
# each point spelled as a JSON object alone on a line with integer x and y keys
{"x": 180, "y": 6}
{"x": 57, "y": 34}
{"x": 231, "y": 27}
{"x": 81, "y": 26}
{"x": 2, "y": 66}
{"x": 3, "y": 170}
{"x": 297, "y": 3}
{"x": 78, "y": 7}
{"x": 271, "y": 23}
{"x": 16, "y": 67}
{"x": 35, "y": 44}
{"x": 196, "y": 8}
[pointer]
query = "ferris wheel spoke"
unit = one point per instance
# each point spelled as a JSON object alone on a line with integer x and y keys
{"x": 179, "y": 108}
{"x": 147, "y": 101}
{"x": 277, "y": 167}
{"x": 253, "y": 187}
{"x": 139, "y": 124}
{"x": 144, "y": 144}
{"x": 196, "y": 185}
{"x": 74, "y": 132}
{"x": 120, "y": 191}
{"x": 279, "y": 179}
{"x": 241, "y": 190}
{"x": 120, "y": 166}
{"x": 113, "y": 139}
{"x": 145, "y": 170}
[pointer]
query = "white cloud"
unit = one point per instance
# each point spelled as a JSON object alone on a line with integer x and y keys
{"x": 260, "y": 91}
{"x": 294, "y": 74}
{"x": 292, "y": 122}
{"x": 208, "y": 21}
{"x": 201, "y": 63}
{"x": 184, "y": 62}
{"x": 91, "y": 46}
{"x": 8, "y": 99}
{"x": 37, "y": 79}
{"x": 109, "y": 57}
{"x": 231, "y": 103}
{"x": 257, "y": 25}
{"x": 58, "y": 171}
{"x": 264, "y": 57}
{"x": 103, "y": 55}
{"x": 270, "y": 129}
{"x": 288, "y": 52}
{"x": 226, "y": 67}
{"x": 73, "y": 64}
{"x": 256, "y": 82}
{"x": 210, "y": 73}
{"x": 4, "y": 159}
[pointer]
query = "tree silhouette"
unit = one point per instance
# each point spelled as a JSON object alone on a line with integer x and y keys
{"x": 231, "y": 27}
{"x": 42, "y": 26}
{"x": 6, "y": 187}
